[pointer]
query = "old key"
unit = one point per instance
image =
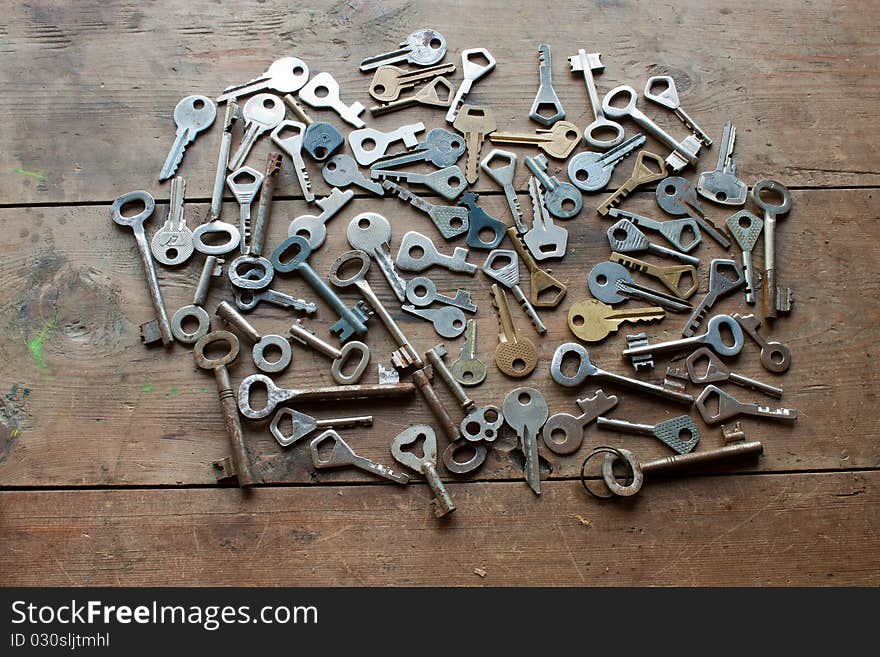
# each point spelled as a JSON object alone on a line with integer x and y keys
{"x": 474, "y": 123}
{"x": 515, "y": 354}
{"x": 591, "y": 320}
{"x": 525, "y": 410}
{"x": 342, "y": 455}
{"x": 426, "y": 464}
{"x": 192, "y": 115}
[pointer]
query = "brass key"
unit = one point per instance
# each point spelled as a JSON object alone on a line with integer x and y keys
{"x": 428, "y": 95}
{"x": 558, "y": 141}
{"x": 669, "y": 275}
{"x": 540, "y": 282}
{"x": 591, "y": 320}
{"x": 474, "y": 123}
{"x": 641, "y": 175}
{"x": 389, "y": 81}
{"x": 515, "y": 354}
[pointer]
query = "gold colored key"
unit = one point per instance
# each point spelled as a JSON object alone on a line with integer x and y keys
{"x": 557, "y": 141}
{"x": 474, "y": 123}
{"x": 591, "y": 320}
{"x": 515, "y": 354}
{"x": 389, "y": 81}
{"x": 669, "y": 275}
{"x": 642, "y": 175}
{"x": 429, "y": 95}
{"x": 540, "y": 282}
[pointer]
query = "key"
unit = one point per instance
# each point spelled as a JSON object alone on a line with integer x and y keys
{"x": 679, "y": 433}
{"x": 642, "y": 175}
{"x": 559, "y": 141}
{"x": 683, "y": 234}
{"x": 564, "y": 433}
{"x": 611, "y": 283}
{"x": 592, "y": 320}
{"x": 246, "y": 300}
{"x": 515, "y": 355}
{"x": 172, "y": 244}
{"x": 587, "y": 370}
{"x": 437, "y": 93}
{"x": 469, "y": 370}
{"x": 669, "y": 275}
{"x": 563, "y": 199}
{"x": 261, "y": 113}
{"x": 233, "y": 114}
{"x": 369, "y": 144}
{"x": 212, "y": 229}
{"x": 192, "y": 115}
{"x": 624, "y": 237}
{"x": 474, "y": 123}
{"x": 323, "y": 91}
{"x": 502, "y": 265}
{"x": 342, "y": 171}
{"x": 715, "y": 371}
{"x": 441, "y": 148}
{"x": 301, "y": 425}
{"x": 721, "y": 184}
{"x": 776, "y": 298}
{"x": 449, "y": 182}
{"x": 676, "y": 196}
{"x": 450, "y": 220}
{"x": 417, "y": 253}
{"x": 546, "y": 98}
{"x": 314, "y": 227}
{"x": 775, "y": 356}
{"x": 370, "y": 232}
{"x": 250, "y": 272}
{"x": 421, "y": 291}
{"x": 587, "y": 63}
{"x": 389, "y": 81}
{"x": 292, "y": 145}
{"x": 473, "y": 69}
{"x": 504, "y": 176}
{"x": 426, "y": 464}
{"x": 421, "y": 48}
{"x": 342, "y": 456}
{"x": 158, "y": 329}
{"x": 525, "y": 410}
{"x": 449, "y": 322}
{"x": 590, "y": 171}
{"x": 726, "y": 406}
{"x": 725, "y": 277}
{"x": 745, "y": 228}
{"x": 711, "y": 338}
{"x": 285, "y": 75}
{"x": 212, "y": 267}
{"x": 354, "y": 351}
{"x": 667, "y": 95}
{"x": 261, "y": 342}
{"x": 321, "y": 140}
{"x": 481, "y": 223}
{"x": 684, "y": 152}
{"x": 546, "y": 291}
{"x": 244, "y": 183}
{"x": 544, "y": 239}
{"x": 264, "y": 208}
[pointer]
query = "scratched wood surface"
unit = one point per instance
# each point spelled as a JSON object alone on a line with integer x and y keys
{"x": 84, "y": 404}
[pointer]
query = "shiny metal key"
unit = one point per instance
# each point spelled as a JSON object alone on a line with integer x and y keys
{"x": 370, "y": 232}
{"x": 426, "y": 464}
{"x": 388, "y": 81}
{"x": 285, "y": 75}
{"x": 624, "y": 237}
{"x": 313, "y": 227}
{"x": 563, "y": 433}
{"x": 450, "y": 220}
{"x": 289, "y": 426}
{"x": 192, "y": 115}
{"x": 745, "y": 228}
{"x": 449, "y": 181}
{"x": 469, "y": 370}
{"x": 247, "y": 299}
{"x": 721, "y": 184}
{"x": 369, "y": 144}
{"x": 776, "y": 298}
{"x": 725, "y": 277}
{"x": 715, "y": 371}
{"x": 676, "y": 195}
{"x": 172, "y": 244}
{"x": 261, "y": 114}
{"x": 349, "y": 361}
{"x": 421, "y": 291}
{"x": 557, "y": 141}
{"x": 661, "y": 89}
{"x": 590, "y": 171}
{"x": 726, "y": 406}
{"x": 244, "y": 183}
{"x": 642, "y": 175}
{"x": 417, "y": 253}
{"x": 440, "y": 147}
{"x": 342, "y": 171}
{"x": 449, "y": 322}
{"x": 611, "y": 283}
{"x": 515, "y": 354}
{"x": 322, "y": 91}
{"x": 587, "y": 63}
{"x": 670, "y": 275}
{"x": 481, "y": 223}
{"x": 504, "y": 176}
{"x": 288, "y": 136}
{"x": 473, "y": 70}
{"x": 544, "y": 239}
{"x": 343, "y": 456}
{"x": 713, "y": 337}
{"x": 683, "y": 234}
{"x": 562, "y": 199}
{"x": 545, "y": 291}
{"x": 526, "y": 411}
{"x": 679, "y": 433}
{"x": 546, "y": 98}
{"x": 437, "y": 93}
{"x": 502, "y": 265}
{"x": 421, "y": 48}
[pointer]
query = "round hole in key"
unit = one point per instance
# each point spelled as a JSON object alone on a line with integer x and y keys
{"x": 171, "y": 253}
{"x": 467, "y": 375}
{"x": 298, "y": 71}
{"x": 744, "y": 220}
{"x": 558, "y": 436}
{"x": 364, "y": 223}
{"x": 669, "y": 190}
{"x": 322, "y": 91}
{"x": 435, "y": 44}
{"x": 518, "y": 364}
{"x": 465, "y": 453}
{"x": 572, "y": 135}
{"x": 368, "y": 144}
{"x": 455, "y": 223}
{"x": 416, "y": 252}
{"x": 725, "y": 334}
{"x": 321, "y": 152}
{"x": 457, "y": 324}
{"x": 454, "y": 144}
{"x": 198, "y": 103}
{"x": 420, "y": 291}
{"x": 568, "y": 205}
{"x": 454, "y": 181}
{"x": 491, "y": 415}
{"x": 268, "y": 102}
{"x": 721, "y": 197}
{"x": 581, "y": 175}
{"x": 272, "y": 353}
{"x": 216, "y": 350}
{"x": 620, "y": 235}
{"x": 133, "y": 208}
{"x": 524, "y": 397}
{"x": 379, "y": 89}
{"x": 487, "y": 235}
{"x": 189, "y": 324}
{"x": 331, "y": 166}
{"x": 601, "y": 279}
{"x": 578, "y": 320}
{"x": 472, "y": 428}
{"x": 777, "y": 356}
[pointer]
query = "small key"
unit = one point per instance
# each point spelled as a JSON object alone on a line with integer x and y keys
{"x": 503, "y": 266}
{"x": 233, "y": 114}
{"x": 261, "y": 113}
{"x": 563, "y": 199}
{"x": 544, "y": 239}
{"x": 726, "y": 407}
{"x": 590, "y": 171}
{"x": 369, "y": 144}
{"x": 775, "y": 356}
{"x": 776, "y": 299}
{"x": 725, "y": 277}
{"x": 564, "y": 433}
{"x": 592, "y": 321}
{"x": 721, "y": 184}
{"x": 417, "y": 253}
{"x": 450, "y": 220}
{"x": 525, "y": 410}
{"x": 713, "y": 337}
{"x": 192, "y": 115}
{"x": 321, "y": 140}
{"x": 323, "y": 91}
{"x": 173, "y": 242}
{"x": 611, "y": 283}
{"x": 624, "y": 237}
{"x": 668, "y": 97}
{"x": 641, "y": 175}
{"x": 421, "y": 291}
{"x": 285, "y": 75}
{"x": 474, "y": 123}
{"x": 246, "y": 299}
{"x": 587, "y": 63}
{"x": 546, "y": 98}
{"x": 343, "y": 456}
{"x": 545, "y": 291}
{"x": 314, "y": 227}
{"x": 504, "y": 176}
{"x": 441, "y": 148}
{"x": 678, "y": 433}
{"x": 676, "y": 196}
{"x": 683, "y": 234}
{"x": 426, "y": 464}
{"x": 370, "y": 232}
{"x": 292, "y": 145}
{"x": 342, "y": 171}
{"x": 449, "y": 322}
{"x": 473, "y": 69}
{"x": 449, "y": 182}
{"x": 558, "y": 141}
{"x": 244, "y": 183}
{"x": 469, "y": 370}
{"x": 481, "y": 222}
{"x": 515, "y": 354}
{"x": 670, "y": 275}
{"x": 715, "y": 371}
{"x": 421, "y": 48}
{"x": 301, "y": 425}
{"x": 745, "y": 228}
{"x": 437, "y": 93}
{"x": 389, "y": 81}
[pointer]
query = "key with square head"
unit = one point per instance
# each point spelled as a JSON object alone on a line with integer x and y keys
{"x": 562, "y": 199}
{"x": 288, "y": 136}
{"x": 421, "y": 291}
{"x": 545, "y": 291}
{"x": 450, "y": 220}
{"x": 481, "y": 222}
{"x": 745, "y": 229}
{"x": 285, "y": 76}
{"x": 389, "y": 81}
{"x": 449, "y": 181}
{"x": 544, "y": 239}
{"x": 417, "y": 253}
{"x": 369, "y": 144}
{"x": 642, "y": 175}
{"x": 515, "y": 355}
{"x": 371, "y": 232}
{"x": 342, "y": 456}
{"x": 683, "y": 234}
{"x": 426, "y": 464}
{"x": 590, "y": 171}
{"x": 624, "y": 237}
{"x": 172, "y": 244}
{"x": 261, "y": 114}
{"x": 660, "y": 89}
{"x": 725, "y": 277}
{"x": 421, "y": 48}
{"x": 449, "y": 322}
{"x": 474, "y": 123}
{"x": 437, "y": 93}
{"x": 775, "y": 356}
{"x": 776, "y": 298}
{"x": 440, "y": 147}
{"x": 557, "y": 141}
{"x": 504, "y": 176}
{"x": 592, "y": 321}
{"x": 342, "y": 171}
{"x": 725, "y": 407}
{"x": 314, "y": 227}
{"x": 244, "y": 183}
{"x": 715, "y": 371}
{"x": 713, "y": 337}
{"x": 676, "y": 196}
{"x": 525, "y": 410}
{"x": 564, "y": 433}
{"x": 587, "y": 63}
{"x": 546, "y": 98}
{"x": 192, "y": 115}
{"x": 320, "y": 140}
{"x": 721, "y": 184}
{"x": 503, "y": 266}
{"x": 670, "y": 275}
{"x": 473, "y": 69}
{"x": 611, "y": 283}
{"x": 679, "y": 433}
{"x": 469, "y": 370}
{"x": 289, "y": 426}
{"x": 322, "y": 91}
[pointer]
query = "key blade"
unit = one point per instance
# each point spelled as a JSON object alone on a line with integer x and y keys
{"x": 182, "y": 137}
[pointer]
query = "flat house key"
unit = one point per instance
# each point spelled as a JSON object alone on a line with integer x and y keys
{"x": 449, "y": 322}
{"x": 776, "y": 298}
{"x": 515, "y": 355}
{"x": 437, "y": 93}
{"x": 745, "y": 228}
{"x": 449, "y": 181}
{"x": 323, "y": 91}
{"x": 558, "y": 141}
{"x": 469, "y": 370}
{"x": 642, "y": 175}
{"x": 421, "y": 291}
{"x": 592, "y": 321}
{"x": 721, "y": 184}
{"x": 713, "y": 337}
{"x": 624, "y": 237}
{"x": 481, "y": 223}
{"x": 342, "y": 171}
{"x": 321, "y": 139}
{"x": 301, "y": 425}
{"x": 564, "y": 433}
{"x": 563, "y": 199}
{"x": 192, "y": 115}
{"x": 342, "y": 455}
{"x": 261, "y": 114}
{"x": 715, "y": 371}
{"x": 590, "y": 171}
{"x": 233, "y": 114}
{"x": 670, "y": 275}
{"x": 369, "y": 144}
{"x": 173, "y": 243}
{"x": 473, "y": 69}
{"x": 426, "y": 464}
{"x": 417, "y": 253}
{"x": 546, "y": 97}
{"x": 544, "y": 290}
{"x": 526, "y": 411}
{"x": 450, "y": 220}
{"x": 504, "y": 176}
{"x": 244, "y": 183}
{"x": 285, "y": 75}
{"x": 440, "y": 147}
{"x": 314, "y": 227}
{"x": 683, "y": 234}
{"x": 389, "y": 81}
{"x": 587, "y": 63}
{"x": 676, "y": 196}
{"x": 370, "y": 232}
{"x": 421, "y": 48}
{"x": 726, "y": 407}
{"x": 474, "y": 123}
{"x": 679, "y": 433}
{"x": 292, "y": 145}
{"x": 611, "y": 283}
{"x": 725, "y": 277}
{"x": 668, "y": 97}
{"x": 775, "y": 356}
{"x": 544, "y": 239}
{"x": 503, "y": 266}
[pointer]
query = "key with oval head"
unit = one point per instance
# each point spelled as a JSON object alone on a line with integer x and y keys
{"x": 590, "y": 171}
{"x": 642, "y": 175}
{"x": 440, "y": 147}
{"x": 667, "y": 96}
{"x": 515, "y": 354}
{"x": 745, "y": 229}
{"x": 370, "y": 232}
{"x": 323, "y": 91}
{"x": 564, "y": 433}
{"x": 721, "y": 184}
{"x": 775, "y": 356}
{"x": 504, "y": 176}
{"x": 417, "y": 253}
{"x": 503, "y": 266}
{"x": 715, "y": 370}
{"x": 261, "y": 114}
{"x": 450, "y": 220}
{"x": 437, "y": 93}
{"x": 474, "y": 123}
{"x": 546, "y": 98}
{"x": 173, "y": 242}
{"x": 369, "y": 144}
{"x": 421, "y": 48}
{"x": 299, "y": 425}
{"x": 285, "y": 75}
{"x": 725, "y": 277}
{"x": 192, "y": 115}
{"x": 683, "y": 234}
{"x": 711, "y": 338}
{"x": 670, "y": 275}
{"x": 389, "y": 81}
{"x": 773, "y": 295}
{"x": 562, "y": 199}
{"x": 678, "y": 433}
{"x": 292, "y": 145}
{"x": 558, "y": 141}
{"x": 314, "y": 227}
{"x": 592, "y": 321}
{"x": 545, "y": 239}
{"x": 481, "y": 222}
{"x": 357, "y": 352}
{"x": 676, "y": 196}
{"x": 342, "y": 455}
{"x": 426, "y": 464}
{"x": 342, "y": 171}
{"x": 624, "y": 237}
{"x": 244, "y": 183}
{"x": 473, "y": 68}
{"x": 449, "y": 322}
{"x": 727, "y": 406}
{"x": 587, "y": 63}
{"x": 449, "y": 181}
{"x": 469, "y": 370}
{"x": 525, "y": 410}
{"x": 544, "y": 290}
{"x": 421, "y": 291}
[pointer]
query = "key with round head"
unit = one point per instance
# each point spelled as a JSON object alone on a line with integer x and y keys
{"x": 322, "y": 91}
{"x": 422, "y": 48}
{"x": 745, "y": 228}
{"x": 676, "y": 195}
{"x": 450, "y": 220}
{"x": 525, "y": 410}
{"x": 587, "y": 64}
{"x": 449, "y": 181}
{"x": 289, "y": 426}
{"x": 504, "y": 175}
{"x": 388, "y": 81}
{"x": 624, "y": 237}
{"x": 261, "y": 114}
{"x": 342, "y": 171}
{"x": 721, "y": 184}
{"x": 288, "y": 136}
{"x": 314, "y": 227}
{"x": 437, "y": 93}
{"x": 775, "y": 356}
{"x": 449, "y": 322}
{"x": 369, "y": 144}
{"x": 515, "y": 355}
{"x": 713, "y": 337}
{"x": 481, "y": 223}
{"x": 660, "y": 89}
{"x": 421, "y": 291}
{"x": 417, "y": 253}
{"x": 342, "y": 456}
{"x": 192, "y": 115}
{"x": 725, "y": 277}
{"x": 683, "y": 234}
{"x": 611, "y": 283}
{"x": 717, "y": 406}
{"x": 590, "y": 171}
{"x": 592, "y": 321}
{"x": 285, "y": 76}
{"x": 564, "y": 433}
{"x": 172, "y": 244}
{"x": 679, "y": 433}
{"x": 469, "y": 370}
{"x": 558, "y": 141}
{"x": 244, "y": 183}
{"x": 642, "y": 175}
{"x": 670, "y": 275}
{"x": 715, "y": 371}
{"x": 546, "y": 98}
{"x": 262, "y": 342}
{"x": 562, "y": 199}
{"x": 544, "y": 290}
{"x": 354, "y": 351}
{"x": 474, "y": 123}
{"x": 502, "y": 265}
{"x": 773, "y": 294}
{"x": 544, "y": 239}
{"x": 475, "y": 63}
{"x": 426, "y": 464}
{"x": 440, "y": 147}
{"x": 370, "y": 232}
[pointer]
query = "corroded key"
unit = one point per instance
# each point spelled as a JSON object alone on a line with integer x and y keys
{"x": 725, "y": 277}
{"x": 592, "y": 321}
{"x": 715, "y": 370}
{"x": 776, "y": 298}
{"x": 669, "y": 275}
{"x": 557, "y": 141}
{"x": 436, "y": 93}
{"x": 469, "y": 370}
{"x": 342, "y": 455}
{"x": 515, "y": 354}
{"x": 426, "y": 464}
{"x": 564, "y": 433}
{"x": 544, "y": 290}
{"x": 473, "y": 69}
{"x": 389, "y": 81}
{"x": 641, "y": 175}
{"x": 726, "y": 406}
{"x": 192, "y": 115}
{"x": 474, "y": 123}
{"x": 678, "y": 433}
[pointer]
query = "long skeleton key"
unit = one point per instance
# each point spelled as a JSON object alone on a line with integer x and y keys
{"x": 676, "y": 196}
{"x": 450, "y": 220}
{"x": 587, "y": 63}
{"x": 449, "y": 181}
{"x": 515, "y": 354}
{"x": 678, "y": 433}
{"x": 417, "y": 253}
{"x": 669, "y": 275}
{"x": 590, "y": 171}
{"x": 371, "y": 232}
{"x": 261, "y": 114}
{"x": 173, "y": 242}
{"x": 545, "y": 239}
{"x": 389, "y": 81}
{"x": 624, "y": 237}
{"x": 421, "y": 291}
{"x": 369, "y": 144}
{"x": 449, "y": 322}
{"x": 342, "y": 455}
{"x": 775, "y": 356}
{"x": 504, "y": 176}
{"x": 440, "y": 147}
{"x": 721, "y": 184}
{"x": 314, "y": 227}
{"x": 507, "y": 273}
{"x": 473, "y": 70}
{"x": 776, "y": 299}
{"x": 546, "y": 97}
{"x": 422, "y": 48}
{"x": 469, "y": 370}
{"x": 745, "y": 228}
{"x": 437, "y": 93}
{"x": 720, "y": 284}
{"x": 715, "y": 371}
{"x": 285, "y": 75}
{"x": 683, "y": 234}
{"x": 481, "y": 222}
{"x": 668, "y": 97}
{"x": 474, "y": 123}
{"x": 192, "y": 115}
{"x": 323, "y": 91}
{"x": 592, "y": 321}
{"x": 564, "y": 433}
{"x": 563, "y": 199}
{"x": 244, "y": 183}
{"x": 641, "y": 175}
{"x": 525, "y": 410}
{"x": 292, "y": 145}
{"x": 301, "y": 425}
{"x": 558, "y": 141}
{"x": 425, "y": 465}
{"x": 727, "y": 406}
{"x": 342, "y": 171}
{"x": 713, "y": 337}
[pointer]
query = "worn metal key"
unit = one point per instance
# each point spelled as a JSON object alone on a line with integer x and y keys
{"x": 440, "y": 147}
{"x": 590, "y": 171}
{"x": 314, "y": 227}
{"x": 323, "y": 91}
{"x": 557, "y": 141}
{"x": 422, "y": 48}
{"x": 642, "y": 175}
{"x": 545, "y": 291}
{"x": 449, "y": 181}
{"x": 469, "y": 370}
{"x": 436, "y": 93}
{"x": 450, "y": 220}
{"x": 611, "y": 283}
{"x": 474, "y": 123}
{"x": 388, "y": 81}
{"x": 716, "y": 371}
{"x": 725, "y": 277}
{"x": 426, "y": 464}
{"x": 727, "y": 406}
{"x": 562, "y": 199}
{"x": 592, "y": 321}
{"x": 301, "y": 425}
{"x": 421, "y": 291}
{"x": 233, "y": 114}
{"x": 342, "y": 171}
{"x": 321, "y": 139}
{"x": 775, "y": 356}
{"x": 172, "y": 244}
{"x": 244, "y": 183}
{"x": 624, "y": 237}
{"x": 285, "y": 75}
{"x": 713, "y": 337}
{"x": 678, "y": 433}
{"x": 370, "y": 232}
{"x": 342, "y": 455}
{"x": 261, "y": 113}
{"x": 587, "y": 63}
{"x": 666, "y": 95}
{"x": 776, "y": 298}
{"x": 745, "y": 229}
{"x": 670, "y": 275}
{"x": 526, "y": 411}
{"x": 351, "y": 350}
{"x": 544, "y": 239}
{"x": 503, "y": 266}
{"x": 369, "y": 144}
{"x": 473, "y": 70}
{"x": 546, "y": 98}
{"x": 417, "y": 253}
{"x": 563, "y": 433}
{"x": 192, "y": 115}
{"x": 449, "y": 321}
{"x": 481, "y": 223}
{"x": 504, "y": 176}
{"x": 683, "y": 234}
{"x": 288, "y": 136}
{"x": 721, "y": 184}
{"x": 515, "y": 354}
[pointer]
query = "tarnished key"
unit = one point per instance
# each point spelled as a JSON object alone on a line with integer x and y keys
{"x": 233, "y": 114}
{"x": 342, "y": 171}
{"x": 713, "y": 337}
{"x": 342, "y": 455}
{"x": 481, "y": 223}
{"x": 299, "y": 425}
{"x": 683, "y": 234}
{"x": 437, "y": 93}
{"x": 558, "y": 141}
{"x": 421, "y": 291}
{"x": 515, "y": 354}
{"x": 321, "y": 139}
{"x": 389, "y": 81}
{"x": 450, "y": 220}
{"x": 590, "y": 171}
{"x": 264, "y": 207}
{"x": 715, "y": 371}
{"x": 670, "y": 275}
{"x": 562, "y": 199}
{"x": 473, "y": 68}
{"x": 587, "y": 63}
{"x": 611, "y": 283}
{"x": 369, "y": 144}
{"x": 721, "y": 184}
{"x": 192, "y": 115}
{"x": 474, "y": 123}
{"x": 725, "y": 277}
{"x": 172, "y": 244}
{"x": 502, "y": 265}
{"x": 322, "y": 91}
{"x": 676, "y": 195}
{"x": 285, "y": 75}
{"x": 426, "y": 464}
{"x": 592, "y": 321}
{"x": 422, "y": 48}
{"x": 449, "y": 322}
{"x": 725, "y": 407}
{"x": 504, "y": 176}
{"x": 261, "y": 114}
{"x": 661, "y": 89}
{"x": 417, "y": 253}
{"x": 624, "y": 237}
{"x": 440, "y": 147}
{"x": 370, "y": 232}
{"x": 354, "y": 351}
{"x": 525, "y": 410}
{"x": 775, "y": 356}
{"x": 546, "y": 98}
{"x": 679, "y": 433}
{"x": 244, "y": 183}
{"x": 449, "y": 181}
{"x": 314, "y": 227}
{"x": 642, "y": 175}
{"x": 288, "y": 136}
{"x": 545, "y": 291}
{"x": 247, "y": 299}
{"x": 469, "y": 370}
{"x": 745, "y": 228}
{"x": 564, "y": 433}
{"x": 776, "y": 298}
{"x": 545, "y": 239}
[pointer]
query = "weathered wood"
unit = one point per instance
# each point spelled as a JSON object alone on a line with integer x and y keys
{"x": 90, "y": 88}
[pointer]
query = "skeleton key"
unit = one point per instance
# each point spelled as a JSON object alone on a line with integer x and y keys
{"x": 668, "y": 97}
{"x": 713, "y": 337}
{"x": 449, "y": 322}
{"x": 641, "y": 175}
{"x": 285, "y": 75}
{"x": 469, "y": 370}
{"x": 389, "y": 81}
{"x": 247, "y": 299}
{"x": 481, "y": 222}
{"x": 727, "y": 406}
{"x": 301, "y": 425}
{"x": 342, "y": 171}
{"x": 422, "y": 48}
{"x": 473, "y": 70}
{"x": 545, "y": 239}
{"x": 343, "y": 456}
{"x": 450, "y": 220}
{"x": 546, "y": 291}
{"x": 721, "y": 185}
{"x": 244, "y": 183}
{"x": 292, "y": 145}
{"x": 474, "y": 123}
{"x": 173, "y": 242}
{"x": 592, "y": 321}
{"x": 676, "y": 196}
{"x": 421, "y": 291}
{"x": 504, "y": 176}
{"x": 590, "y": 171}
{"x": 775, "y": 356}
{"x": 683, "y": 234}
{"x": 323, "y": 91}
{"x": 745, "y": 229}
{"x": 720, "y": 284}
{"x": 436, "y": 93}
{"x": 192, "y": 115}
{"x": 564, "y": 433}
{"x": 417, "y": 253}
{"x": 507, "y": 273}
{"x": 426, "y": 464}
{"x": 587, "y": 63}
{"x": 716, "y": 371}
{"x": 669, "y": 275}
{"x": 321, "y": 140}
{"x": 314, "y": 227}
{"x": 441, "y": 148}
{"x": 563, "y": 199}
{"x": 679, "y": 433}
{"x": 515, "y": 355}
{"x": 369, "y": 144}
{"x": 546, "y": 97}
{"x": 371, "y": 232}
{"x": 624, "y": 237}
{"x": 525, "y": 410}
{"x": 559, "y": 141}
{"x": 449, "y": 181}
{"x": 776, "y": 298}
{"x": 261, "y": 113}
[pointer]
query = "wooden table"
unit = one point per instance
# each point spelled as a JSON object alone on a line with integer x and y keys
{"x": 106, "y": 446}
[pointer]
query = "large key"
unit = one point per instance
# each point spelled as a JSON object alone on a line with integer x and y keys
{"x": 449, "y": 322}
{"x": 246, "y": 300}
{"x": 546, "y": 98}
{"x": 369, "y": 144}
{"x": 370, "y": 232}
{"x": 642, "y": 175}
{"x": 481, "y": 223}
{"x": 342, "y": 455}
{"x": 422, "y": 48}
{"x": 426, "y": 464}
{"x": 515, "y": 354}
{"x": 421, "y": 291}
{"x": 727, "y": 406}
{"x": 261, "y": 113}
{"x": 448, "y": 181}
{"x": 592, "y": 321}
{"x": 564, "y": 433}
{"x": 417, "y": 253}
{"x": 233, "y": 114}
{"x": 352, "y": 350}
{"x": 563, "y": 199}
{"x": 213, "y": 267}
{"x": 683, "y": 234}
{"x": 389, "y": 81}
{"x": 725, "y": 277}
{"x": 450, "y": 220}
{"x": 715, "y": 371}
{"x": 590, "y": 171}
{"x": 292, "y": 145}
{"x": 436, "y": 93}
{"x": 321, "y": 139}
{"x": 440, "y": 147}
{"x": 745, "y": 229}
{"x": 545, "y": 291}
{"x": 504, "y": 176}
{"x": 342, "y": 171}
{"x": 469, "y": 370}
{"x": 776, "y": 298}
{"x": 244, "y": 183}
{"x": 678, "y": 433}
{"x": 587, "y": 63}
{"x": 192, "y": 115}
{"x": 301, "y": 425}
{"x": 558, "y": 141}
{"x": 775, "y": 356}
{"x": 545, "y": 239}
{"x": 525, "y": 410}
{"x": 667, "y": 96}
{"x": 611, "y": 283}
{"x": 676, "y": 196}
{"x": 721, "y": 184}
{"x": 285, "y": 75}
{"x": 323, "y": 91}
{"x": 473, "y": 68}
{"x": 314, "y": 227}
{"x": 670, "y": 275}
{"x": 503, "y": 266}
{"x": 173, "y": 243}
{"x": 474, "y": 123}
{"x": 160, "y": 328}
{"x": 713, "y": 337}
{"x": 624, "y": 237}
{"x": 262, "y": 342}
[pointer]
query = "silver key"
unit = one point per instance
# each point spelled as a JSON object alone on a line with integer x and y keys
{"x": 711, "y": 338}
{"x": 546, "y": 97}
{"x": 244, "y": 183}
{"x": 314, "y": 227}
{"x": 721, "y": 185}
{"x": 564, "y": 433}
{"x": 301, "y": 425}
{"x": 422, "y": 48}
{"x": 426, "y": 464}
{"x": 285, "y": 75}
{"x": 192, "y": 115}
{"x": 724, "y": 277}
{"x": 448, "y": 321}
{"x": 678, "y": 433}
{"x": 544, "y": 239}
{"x": 745, "y": 228}
{"x": 683, "y": 234}
{"x": 342, "y": 455}
{"x": 370, "y": 232}
{"x": 417, "y": 253}
{"x": 440, "y": 147}
{"x": 726, "y": 407}
{"x": 342, "y": 171}
{"x": 624, "y": 237}
{"x": 668, "y": 97}
{"x": 449, "y": 182}
{"x": 526, "y": 411}
{"x": 612, "y": 283}
{"x": 261, "y": 114}
{"x": 587, "y": 63}
{"x": 369, "y": 144}
{"x": 562, "y": 200}
{"x": 776, "y": 298}
{"x": 504, "y": 176}
{"x": 507, "y": 273}
{"x": 323, "y": 91}
{"x": 233, "y": 114}
{"x": 292, "y": 145}
{"x": 469, "y": 370}
{"x": 450, "y": 220}
{"x": 677, "y": 196}
{"x": 357, "y": 352}
{"x": 421, "y": 291}
{"x": 247, "y": 299}
{"x": 173, "y": 242}
{"x": 473, "y": 71}
{"x": 715, "y": 371}
{"x": 590, "y": 171}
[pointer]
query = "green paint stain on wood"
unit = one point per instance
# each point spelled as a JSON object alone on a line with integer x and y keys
{"x": 35, "y": 345}
{"x": 202, "y": 389}
{"x": 174, "y": 391}
{"x": 148, "y": 387}
{"x": 36, "y": 175}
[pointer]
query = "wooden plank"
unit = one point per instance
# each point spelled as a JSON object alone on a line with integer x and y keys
{"x": 90, "y": 88}
{"x": 84, "y": 403}
{"x": 811, "y": 529}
